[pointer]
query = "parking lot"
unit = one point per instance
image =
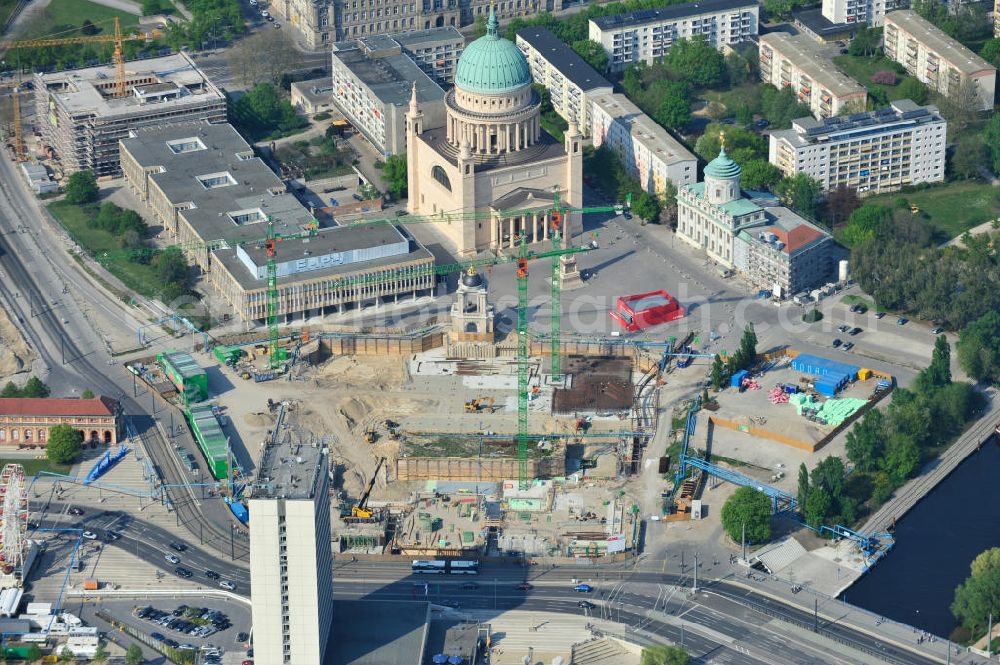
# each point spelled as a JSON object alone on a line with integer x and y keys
{"x": 228, "y": 639}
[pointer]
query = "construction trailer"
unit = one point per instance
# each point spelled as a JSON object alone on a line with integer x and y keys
{"x": 644, "y": 310}
{"x": 211, "y": 439}
{"x": 187, "y": 376}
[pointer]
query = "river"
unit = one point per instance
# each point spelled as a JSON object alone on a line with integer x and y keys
{"x": 935, "y": 544}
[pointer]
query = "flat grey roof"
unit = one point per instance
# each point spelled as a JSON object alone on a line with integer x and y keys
{"x": 936, "y": 40}
{"x": 378, "y": 632}
{"x": 666, "y": 14}
{"x": 390, "y": 78}
{"x": 901, "y": 114}
{"x": 316, "y": 90}
{"x": 559, "y": 54}
{"x": 814, "y": 21}
{"x": 256, "y": 186}
{"x": 288, "y": 470}
{"x": 77, "y": 89}
{"x": 805, "y": 54}
{"x": 643, "y": 129}
{"x": 420, "y": 38}
{"x": 327, "y": 241}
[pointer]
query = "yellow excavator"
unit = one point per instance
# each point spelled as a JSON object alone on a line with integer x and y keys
{"x": 479, "y": 403}
{"x": 360, "y": 511}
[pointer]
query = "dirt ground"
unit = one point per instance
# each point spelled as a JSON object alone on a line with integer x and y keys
{"x": 15, "y": 354}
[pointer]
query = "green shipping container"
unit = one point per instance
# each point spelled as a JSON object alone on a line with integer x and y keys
{"x": 186, "y": 375}
{"x": 225, "y": 354}
{"x": 211, "y": 439}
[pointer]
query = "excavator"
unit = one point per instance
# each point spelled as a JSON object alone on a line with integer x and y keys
{"x": 360, "y": 511}
{"x": 479, "y": 403}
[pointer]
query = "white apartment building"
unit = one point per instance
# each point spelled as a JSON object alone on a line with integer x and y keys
{"x": 646, "y": 35}
{"x": 796, "y": 61}
{"x": 936, "y": 59}
{"x": 871, "y": 12}
{"x": 291, "y": 573}
{"x": 372, "y": 83}
{"x": 571, "y": 82}
{"x": 902, "y": 144}
{"x": 647, "y": 151}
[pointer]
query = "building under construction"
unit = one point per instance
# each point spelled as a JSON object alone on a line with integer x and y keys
{"x": 82, "y": 117}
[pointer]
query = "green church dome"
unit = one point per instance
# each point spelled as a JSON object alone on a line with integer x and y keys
{"x": 722, "y": 166}
{"x": 492, "y": 64}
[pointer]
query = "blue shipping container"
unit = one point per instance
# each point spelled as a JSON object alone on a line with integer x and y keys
{"x": 737, "y": 379}
{"x": 811, "y": 364}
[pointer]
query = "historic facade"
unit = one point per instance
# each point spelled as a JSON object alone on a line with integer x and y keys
{"x": 492, "y": 156}
{"x": 26, "y": 421}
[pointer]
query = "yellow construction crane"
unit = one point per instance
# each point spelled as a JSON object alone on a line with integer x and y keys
{"x": 361, "y": 511}
{"x": 117, "y": 38}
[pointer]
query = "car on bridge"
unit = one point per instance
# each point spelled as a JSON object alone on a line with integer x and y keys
{"x": 227, "y": 585}
{"x": 89, "y": 535}
{"x": 183, "y": 572}
{"x": 172, "y": 558}
{"x": 586, "y": 604}
{"x": 583, "y": 588}
{"x": 524, "y": 586}
{"x": 211, "y": 574}
{"x": 180, "y": 547}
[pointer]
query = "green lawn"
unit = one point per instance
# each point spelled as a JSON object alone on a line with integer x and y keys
{"x": 33, "y": 466}
{"x": 6, "y": 7}
{"x": 951, "y": 208}
{"x": 142, "y": 278}
{"x": 64, "y": 17}
{"x": 861, "y": 68}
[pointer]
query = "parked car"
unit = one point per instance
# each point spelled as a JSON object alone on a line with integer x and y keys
{"x": 843, "y": 328}
{"x": 583, "y": 588}
{"x": 937, "y": 331}
{"x": 848, "y": 346}
{"x": 837, "y": 343}
{"x": 856, "y": 331}
{"x": 902, "y": 321}
{"x": 879, "y": 315}
{"x": 157, "y": 636}
{"x": 242, "y": 637}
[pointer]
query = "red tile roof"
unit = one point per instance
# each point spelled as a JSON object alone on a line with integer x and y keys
{"x": 795, "y": 239}
{"x": 51, "y": 406}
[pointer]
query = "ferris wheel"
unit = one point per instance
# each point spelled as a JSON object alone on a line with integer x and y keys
{"x": 13, "y": 517}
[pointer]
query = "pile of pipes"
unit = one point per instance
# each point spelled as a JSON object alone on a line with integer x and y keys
{"x": 778, "y": 396}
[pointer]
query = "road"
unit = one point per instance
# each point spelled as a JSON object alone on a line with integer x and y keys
{"x": 73, "y": 356}
{"x": 724, "y": 622}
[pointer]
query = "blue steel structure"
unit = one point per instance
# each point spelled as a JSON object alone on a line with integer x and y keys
{"x": 873, "y": 546}
{"x": 107, "y": 461}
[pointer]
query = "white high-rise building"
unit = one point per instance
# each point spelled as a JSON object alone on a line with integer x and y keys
{"x": 871, "y": 12}
{"x": 291, "y": 574}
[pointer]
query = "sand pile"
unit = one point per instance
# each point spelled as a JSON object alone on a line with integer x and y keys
{"x": 15, "y": 354}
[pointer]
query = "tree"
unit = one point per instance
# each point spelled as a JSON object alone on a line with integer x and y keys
{"x": 864, "y": 442}
{"x": 840, "y": 203}
{"x": 961, "y": 109}
{"x": 829, "y": 475}
{"x": 978, "y": 348}
{"x": 760, "y": 174}
{"x": 34, "y": 654}
{"x": 82, "y": 188}
{"x": 250, "y": 68}
{"x": 134, "y": 655}
{"x": 87, "y": 394}
{"x": 395, "y": 174}
{"x": 801, "y": 192}
{"x": 902, "y": 457}
{"x": 865, "y": 222}
{"x": 750, "y": 508}
{"x": 740, "y": 66}
{"x": 969, "y": 157}
{"x": 646, "y": 206}
{"x": 803, "y": 494}
{"x": 991, "y": 138}
{"x": 912, "y": 88}
{"x": 781, "y": 107}
{"x": 34, "y": 387}
{"x": 66, "y": 655}
{"x": 262, "y": 112}
{"x": 664, "y": 655}
{"x": 101, "y": 654}
{"x": 64, "y": 445}
{"x": 817, "y": 506}
{"x": 479, "y": 27}
{"x": 866, "y": 42}
{"x": 593, "y": 53}
{"x": 741, "y": 144}
{"x": 674, "y": 112}
{"x": 985, "y": 560}
{"x": 718, "y": 373}
{"x": 976, "y": 598}
{"x": 88, "y": 28}
{"x": 991, "y": 51}
{"x": 697, "y": 61}
{"x": 938, "y": 373}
